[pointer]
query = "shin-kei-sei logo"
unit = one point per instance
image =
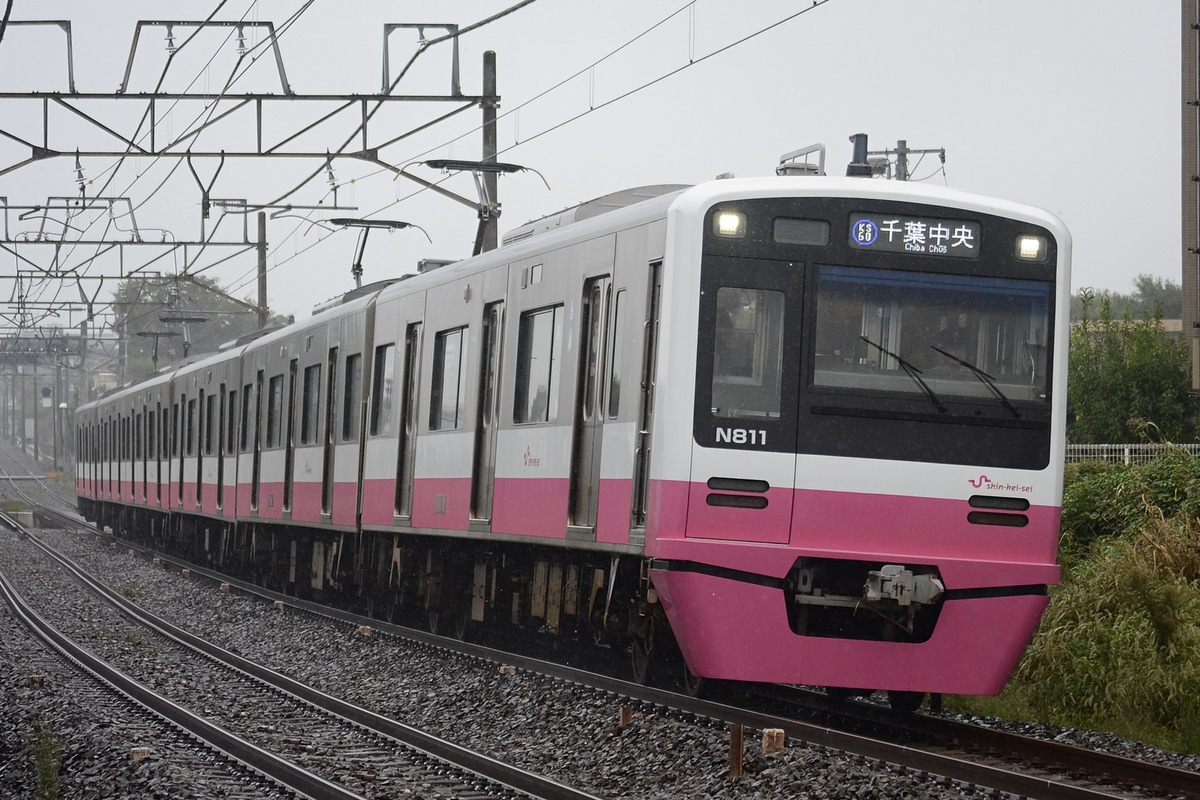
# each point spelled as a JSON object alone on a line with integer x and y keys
{"x": 530, "y": 459}
{"x": 984, "y": 482}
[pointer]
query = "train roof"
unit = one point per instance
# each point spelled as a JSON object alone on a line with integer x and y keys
{"x": 592, "y": 208}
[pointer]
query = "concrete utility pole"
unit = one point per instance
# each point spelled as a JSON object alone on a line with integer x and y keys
{"x": 263, "y": 311}
{"x": 902, "y": 153}
{"x": 1189, "y": 183}
{"x": 491, "y": 233}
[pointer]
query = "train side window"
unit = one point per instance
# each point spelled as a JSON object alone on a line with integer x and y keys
{"x": 381, "y": 389}
{"x": 310, "y": 404}
{"x": 231, "y": 420}
{"x": 274, "y": 410}
{"x": 164, "y": 441}
{"x": 446, "y": 402}
{"x": 210, "y": 424}
{"x": 748, "y": 353}
{"x": 190, "y": 436}
{"x": 618, "y": 356}
{"x": 539, "y": 357}
{"x": 151, "y": 435}
{"x": 247, "y": 417}
{"x": 351, "y": 397}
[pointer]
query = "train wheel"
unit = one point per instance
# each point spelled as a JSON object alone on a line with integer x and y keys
{"x": 693, "y": 684}
{"x": 905, "y": 702}
{"x": 393, "y": 607}
{"x": 640, "y": 648}
{"x": 435, "y": 619}
{"x": 461, "y": 618}
{"x": 639, "y": 658}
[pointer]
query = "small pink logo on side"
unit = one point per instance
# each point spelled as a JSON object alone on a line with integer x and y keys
{"x": 979, "y": 482}
{"x": 530, "y": 459}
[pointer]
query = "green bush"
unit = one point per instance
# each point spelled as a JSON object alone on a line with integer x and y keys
{"x": 1119, "y": 647}
{"x": 1129, "y": 380}
{"x": 1103, "y": 500}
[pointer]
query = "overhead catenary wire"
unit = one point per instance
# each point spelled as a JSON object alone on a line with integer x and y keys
{"x": 244, "y": 66}
{"x": 137, "y": 136}
{"x": 692, "y": 61}
{"x": 205, "y": 115}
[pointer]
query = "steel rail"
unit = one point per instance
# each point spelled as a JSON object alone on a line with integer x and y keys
{"x": 958, "y": 768}
{"x": 1069, "y": 758}
{"x": 262, "y": 761}
{"x": 487, "y": 768}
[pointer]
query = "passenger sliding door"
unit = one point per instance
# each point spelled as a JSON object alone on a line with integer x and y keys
{"x": 641, "y": 454}
{"x": 589, "y": 403}
{"x": 406, "y": 454}
{"x": 483, "y": 470}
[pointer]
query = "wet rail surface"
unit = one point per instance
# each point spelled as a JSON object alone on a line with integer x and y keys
{"x": 1061, "y": 770}
{"x": 1065, "y": 772}
{"x": 339, "y": 743}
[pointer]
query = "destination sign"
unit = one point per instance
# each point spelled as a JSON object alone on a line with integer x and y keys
{"x": 918, "y": 235}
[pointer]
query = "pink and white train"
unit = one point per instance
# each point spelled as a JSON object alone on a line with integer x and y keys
{"x": 810, "y": 428}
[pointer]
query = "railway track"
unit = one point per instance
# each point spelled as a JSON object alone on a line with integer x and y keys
{"x": 305, "y": 748}
{"x": 59, "y": 697}
{"x": 954, "y": 753}
{"x": 971, "y": 755}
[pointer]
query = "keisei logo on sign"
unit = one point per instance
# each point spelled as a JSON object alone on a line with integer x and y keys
{"x": 865, "y": 232}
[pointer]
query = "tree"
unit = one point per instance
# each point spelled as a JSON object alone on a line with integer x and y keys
{"x": 1128, "y": 379}
{"x": 1150, "y": 296}
{"x": 164, "y": 319}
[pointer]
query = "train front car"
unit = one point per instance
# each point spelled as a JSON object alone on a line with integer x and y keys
{"x": 867, "y": 491}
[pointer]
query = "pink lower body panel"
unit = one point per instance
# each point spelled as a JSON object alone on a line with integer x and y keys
{"x": 379, "y": 501}
{"x": 306, "y": 501}
{"x": 732, "y": 630}
{"x": 345, "y": 504}
{"x": 531, "y": 506}
{"x": 443, "y": 503}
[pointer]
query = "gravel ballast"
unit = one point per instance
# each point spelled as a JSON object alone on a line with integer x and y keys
{"x": 540, "y": 724}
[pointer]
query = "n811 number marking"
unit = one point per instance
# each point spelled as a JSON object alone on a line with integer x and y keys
{"x": 741, "y": 436}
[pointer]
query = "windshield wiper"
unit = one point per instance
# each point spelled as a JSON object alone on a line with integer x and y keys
{"x": 911, "y": 371}
{"x": 984, "y": 378}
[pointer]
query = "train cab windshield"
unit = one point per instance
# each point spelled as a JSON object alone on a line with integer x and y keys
{"x": 945, "y": 336}
{"x": 827, "y": 348}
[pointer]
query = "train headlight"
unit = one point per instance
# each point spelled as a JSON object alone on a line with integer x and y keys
{"x": 731, "y": 224}
{"x": 1031, "y": 248}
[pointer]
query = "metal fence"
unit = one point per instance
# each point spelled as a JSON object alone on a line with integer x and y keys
{"x": 1124, "y": 453}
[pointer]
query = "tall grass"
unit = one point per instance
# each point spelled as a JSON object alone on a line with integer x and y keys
{"x": 1119, "y": 648}
{"x": 47, "y": 760}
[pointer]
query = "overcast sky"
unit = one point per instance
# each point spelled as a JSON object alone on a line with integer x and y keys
{"x": 1070, "y": 105}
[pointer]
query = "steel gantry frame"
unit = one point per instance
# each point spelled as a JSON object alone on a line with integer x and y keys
{"x": 229, "y": 114}
{"x": 40, "y": 330}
